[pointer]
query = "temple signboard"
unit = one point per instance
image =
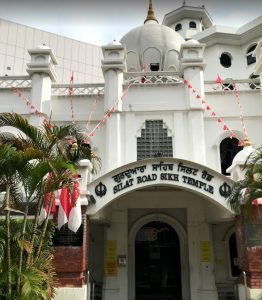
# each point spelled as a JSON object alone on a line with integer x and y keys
{"x": 179, "y": 173}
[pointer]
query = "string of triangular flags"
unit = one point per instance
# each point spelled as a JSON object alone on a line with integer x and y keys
{"x": 29, "y": 104}
{"x": 207, "y": 107}
{"x": 113, "y": 108}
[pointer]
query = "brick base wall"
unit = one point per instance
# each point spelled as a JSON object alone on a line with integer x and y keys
{"x": 250, "y": 258}
{"x": 71, "y": 262}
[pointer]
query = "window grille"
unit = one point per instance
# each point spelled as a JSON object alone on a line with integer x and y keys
{"x": 154, "y": 141}
{"x": 65, "y": 237}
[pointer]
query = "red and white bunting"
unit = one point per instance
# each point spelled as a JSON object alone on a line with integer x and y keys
{"x": 207, "y": 107}
{"x": 46, "y": 202}
{"x": 75, "y": 216}
{"x": 64, "y": 207}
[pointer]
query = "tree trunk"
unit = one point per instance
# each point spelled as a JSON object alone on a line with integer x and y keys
{"x": 8, "y": 242}
{"x": 21, "y": 250}
{"x": 30, "y": 254}
{"x": 45, "y": 227}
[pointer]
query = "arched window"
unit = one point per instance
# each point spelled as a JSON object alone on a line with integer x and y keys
{"x": 192, "y": 25}
{"x": 226, "y": 60}
{"x": 228, "y": 150}
{"x": 178, "y": 27}
{"x": 154, "y": 141}
{"x": 250, "y": 58}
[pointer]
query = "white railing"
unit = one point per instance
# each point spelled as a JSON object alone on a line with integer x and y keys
{"x": 152, "y": 78}
{"x": 20, "y": 82}
{"x": 78, "y": 89}
{"x": 242, "y": 85}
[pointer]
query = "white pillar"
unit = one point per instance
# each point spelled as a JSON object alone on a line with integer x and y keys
{"x": 117, "y": 287}
{"x": 42, "y": 72}
{"x": 192, "y": 63}
{"x": 202, "y": 279}
{"x": 113, "y": 66}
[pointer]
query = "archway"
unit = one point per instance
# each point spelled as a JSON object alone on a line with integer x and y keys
{"x": 157, "y": 262}
{"x": 179, "y": 237}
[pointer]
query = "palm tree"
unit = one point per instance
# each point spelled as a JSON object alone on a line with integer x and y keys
{"x": 246, "y": 191}
{"x": 35, "y": 153}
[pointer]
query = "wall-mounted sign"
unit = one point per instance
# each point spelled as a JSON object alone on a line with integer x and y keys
{"x": 205, "y": 251}
{"x": 169, "y": 171}
{"x": 111, "y": 259}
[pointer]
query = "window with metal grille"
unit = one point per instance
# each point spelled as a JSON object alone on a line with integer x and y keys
{"x": 65, "y": 237}
{"x": 154, "y": 141}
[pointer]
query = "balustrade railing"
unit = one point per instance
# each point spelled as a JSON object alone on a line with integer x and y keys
{"x": 242, "y": 85}
{"x": 19, "y": 82}
{"x": 157, "y": 78}
{"x": 78, "y": 89}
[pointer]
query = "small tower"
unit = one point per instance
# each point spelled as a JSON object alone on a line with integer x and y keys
{"x": 42, "y": 72}
{"x": 188, "y": 20}
{"x": 192, "y": 65}
{"x": 113, "y": 66}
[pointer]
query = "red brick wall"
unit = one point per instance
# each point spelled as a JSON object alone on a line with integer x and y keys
{"x": 71, "y": 262}
{"x": 250, "y": 258}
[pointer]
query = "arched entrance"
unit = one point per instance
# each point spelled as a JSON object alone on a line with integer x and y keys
{"x": 157, "y": 262}
{"x": 164, "y": 261}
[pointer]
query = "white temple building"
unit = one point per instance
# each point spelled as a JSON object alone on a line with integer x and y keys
{"x": 157, "y": 223}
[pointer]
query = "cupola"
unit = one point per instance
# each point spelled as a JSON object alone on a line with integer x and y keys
{"x": 152, "y": 46}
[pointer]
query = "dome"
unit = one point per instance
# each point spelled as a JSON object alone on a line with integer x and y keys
{"x": 152, "y": 44}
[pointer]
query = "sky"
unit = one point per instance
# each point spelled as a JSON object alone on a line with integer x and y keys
{"x": 101, "y": 21}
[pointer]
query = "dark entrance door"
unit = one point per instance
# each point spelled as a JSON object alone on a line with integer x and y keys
{"x": 158, "y": 266}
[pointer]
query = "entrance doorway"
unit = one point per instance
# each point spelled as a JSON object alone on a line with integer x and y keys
{"x": 157, "y": 263}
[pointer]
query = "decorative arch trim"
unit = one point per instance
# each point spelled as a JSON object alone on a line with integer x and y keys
{"x": 183, "y": 174}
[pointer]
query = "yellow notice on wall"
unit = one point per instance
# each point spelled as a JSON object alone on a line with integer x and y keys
{"x": 205, "y": 251}
{"x": 111, "y": 259}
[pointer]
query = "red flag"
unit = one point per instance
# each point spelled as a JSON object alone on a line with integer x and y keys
{"x": 43, "y": 213}
{"x": 232, "y": 134}
{"x": 75, "y": 216}
{"x": 72, "y": 78}
{"x": 225, "y": 127}
{"x": 219, "y": 80}
{"x": 219, "y": 120}
{"x": 64, "y": 207}
{"x": 255, "y": 202}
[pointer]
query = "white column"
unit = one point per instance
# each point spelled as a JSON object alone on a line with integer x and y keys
{"x": 113, "y": 142}
{"x": 113, "y": 66}
{"x": 192, "y": 63}
{"x": 42, "y": 71}
{"x": 202, "y": 279}
{"x": 181, "y": 135}
{"x": 41, "y": 96}
{"x": 207, "y": 289}
{"x": 117, "y": 287}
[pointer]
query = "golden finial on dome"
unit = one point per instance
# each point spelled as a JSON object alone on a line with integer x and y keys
{"x": 247, "y": 142}
{"x": 150, "y": 13}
